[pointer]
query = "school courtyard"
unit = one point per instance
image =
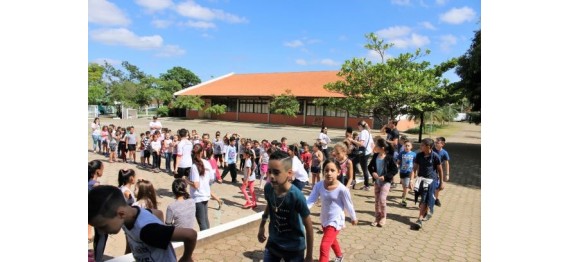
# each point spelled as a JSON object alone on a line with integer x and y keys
{"x": 453, "y": 234}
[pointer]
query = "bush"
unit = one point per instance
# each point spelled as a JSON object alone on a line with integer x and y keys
{"x": 162, "y": 111}
{"x": 428, "y": 128}
{"x": 474, "y": 117}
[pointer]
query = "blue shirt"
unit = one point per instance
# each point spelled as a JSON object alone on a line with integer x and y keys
{"x": 406, "y": 162}
{"x": 443, "y": 155}
{"x": 231, "y": 155}
{"x": 286, "y": 230}
{"x": 427, "y": 165}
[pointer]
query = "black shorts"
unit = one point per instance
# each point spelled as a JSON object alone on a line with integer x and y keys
{"x": 146, "y": 153}
{"x": 182, "y": 171}
{"x": 316, "y": 169}
{"x": 218, "y": 157}
{"x": 132, "y": 147}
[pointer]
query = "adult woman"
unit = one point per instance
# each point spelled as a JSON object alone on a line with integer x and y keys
{"x": 365, "y": 145}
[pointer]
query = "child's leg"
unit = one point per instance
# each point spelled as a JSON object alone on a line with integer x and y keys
{"x": 384, "y": 189}
{"x": 214, "y": 196}
{"x": 329, "y": 240}
{"x": 243, "y": 186}
{"x": 377, "y": 203}
{"x": 252, "y": 191}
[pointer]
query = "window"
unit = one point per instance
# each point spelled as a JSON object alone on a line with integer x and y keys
{"x": 253, "y": 106}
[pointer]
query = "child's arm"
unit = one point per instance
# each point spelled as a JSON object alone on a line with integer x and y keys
{"x": 309, "y": 231}
{"x": 188, "y": 236}
{"x": 446, "y": 162}
{"x": 261, "y": 232}
{"x": 349, "y": 206}
{"x": 349, "y": 174}
{"x": 313, "y": 197}
{"x": 169, "y": 216}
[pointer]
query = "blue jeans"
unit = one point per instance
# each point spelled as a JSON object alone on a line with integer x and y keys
{"x": 291, "y": 257}
{"x": 168, "y": 157}
{"x": 96, "y": 142}
{"x": 202, "y": 215}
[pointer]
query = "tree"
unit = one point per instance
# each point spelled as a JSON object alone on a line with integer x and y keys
{"x": 216, "y": 109}
{"x": 469, "y": 69}
{"x": 96, "y": 88}
{"x": 95, "y": 73}
{"x": 188, "y": 102}
{"x": 285, "y": 104}
{"x": 182, "y": 76}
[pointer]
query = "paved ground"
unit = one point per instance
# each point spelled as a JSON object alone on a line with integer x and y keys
{"x": 454, "y": 233}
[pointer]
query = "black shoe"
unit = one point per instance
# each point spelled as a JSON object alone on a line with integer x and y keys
{"x": 437, "y": 203}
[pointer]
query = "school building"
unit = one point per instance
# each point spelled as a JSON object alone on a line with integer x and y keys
{"x": 247, "y": 98}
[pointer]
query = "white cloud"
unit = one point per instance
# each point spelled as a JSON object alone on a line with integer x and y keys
{"x": 394, "y": 32}
{"x": 198, "y": 12}
{"x": 294, "y": 43}
{"x": 375, "y": 56}
{"x": 428, "y": 25}
{"x": 301, "y": 62}
{"x": 441, "y": 2}
{"x": 154, "y": 5}
{"x": 200, "y": 24}
{"x": 419, "y": 40}
{"x": 106, "y": 13}
{"x": 158, "y": 23}
{"x": 401, "y": 2}
{"x": 101, "y": 61}
{"x": 122, "y": 36}
{"x": 446, "y": 41}
{"x": 170, "y": 51}
{"x": 458, "y": 15}
{"x": 329, "y": 62}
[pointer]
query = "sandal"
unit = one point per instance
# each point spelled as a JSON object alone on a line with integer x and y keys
{"x": 374, "y": 224}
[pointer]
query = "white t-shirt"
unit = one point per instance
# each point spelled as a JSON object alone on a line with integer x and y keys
{"x": 96, "y": 128}
{"x": 299, "y": 170}
{"x": 248, "y": 165}
{"x": 202, "y": 193}
{"x": 334, "y": 203}
{"x": 154, "y": 126}
{"x": 325, "y": 140}
{"x": 368, "y": 142}
{"x": 184, "y": 149}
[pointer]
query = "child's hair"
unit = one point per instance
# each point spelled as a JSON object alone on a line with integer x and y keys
{"x": 283, "y": 139}
{"x": 441, "y": 138}
{"x": 354, "y": 135}
{"x": 403, "y": 137}
{"x": 125, "y": 175}
{"x": 183, "y": 132}
{"x": 330, "y": 160}
{"x": 349, "y": 130}
{"x": 405, "y": 141}
{"x": 104, "y": 127}
{"x": 283, "y": 157}
{"x": 232, "y": 139}
{"x": 342, "y": 147}
{"x": 248, "y": 153}
{"x": 179, "y": 188}
{"x": 384, "y": 145}
{"x": 295, "y": 150}
{"x": 147, "y": 133}
{"x": 95, "y": 120}
{"x": 146, "y": 192}
{"x": 209, "y": 152}
{"x": 427, "y": 142}
{"x": 197, "y": 159}
{"x": 94, "y": 165}
{"x": 142, "y": 134}
{"x": 363, "y": 124}
{"x": 103, "y": 201}
{"x": 323, "y": 128}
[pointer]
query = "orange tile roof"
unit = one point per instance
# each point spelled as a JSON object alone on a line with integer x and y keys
{"x": 301, "y": 84}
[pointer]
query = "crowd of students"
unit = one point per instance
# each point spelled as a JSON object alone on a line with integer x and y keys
{"x": 282, "y": 170}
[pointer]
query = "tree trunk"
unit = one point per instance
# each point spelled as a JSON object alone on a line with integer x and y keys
{"x": 421, "y": 127}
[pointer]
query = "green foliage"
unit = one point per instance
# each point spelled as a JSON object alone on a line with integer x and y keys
{"x": 162, "y": 111}
{"x": 469, "y": 69}
{"x": 474, "y": 117}
{"x": 216, "y": 109}
{"x": 95, "y": 93}
{"x": 95, "y": 73}
{"x": 428, "y": 128}
{"x": 182, "y": 76}
{"x": 188, "y": 102}
{"x": 285, "y": 104}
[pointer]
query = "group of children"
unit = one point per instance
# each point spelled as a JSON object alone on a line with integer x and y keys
{"x": 280, "y": 166}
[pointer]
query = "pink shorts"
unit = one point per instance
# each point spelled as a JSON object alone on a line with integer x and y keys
{"x": 264, "y": 168}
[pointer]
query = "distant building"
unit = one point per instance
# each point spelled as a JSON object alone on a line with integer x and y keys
{"x": 247, "y": 98}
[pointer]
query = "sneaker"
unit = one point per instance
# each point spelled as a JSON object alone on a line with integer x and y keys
{"x": 437, "y": 203}
{"x": 418, "y": 224}
{"x": 382, "y": 222}
{"x": 366, "y": 188}
{"x": 404, "y": 203}
{"x": 339, "y": 259}
{"x": 428, "y": 216}
{"x": 353, "y": 184}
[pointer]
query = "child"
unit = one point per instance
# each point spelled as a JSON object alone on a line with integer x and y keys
{"x": 146, "y": 144}
{"x": 218, "y": 149}
{"x": 167, "y": 151}
{"x": 145, "y": 195}
{"x": 95, "y": 172}
{"x": 210, "y": 157}
{"x": 284, "y": 145}
{"x": 306, "y": 158}
{"x": 335, "y": 198}
{"x": 287, "y": 207}
{"x": 200, "y": 176}
{"x": 301, "y": 176}
{"x": 264, "y": 167}
{"x": 105, "y": 140}
{"x": 155, "y": 150}
{"x": 317, "y": 156}
{"x": 132, "y": 144}
{"x": 346, "y": 174}
{"x": 406, "y": 163}
{"x": 427, "y": 168}
{"x": 148, "y": 238}
{"x": 383, "y": 167}
{"x": 174, "y": 149}
{"x": 142, "y": 147}
{"x": 230, "y": 160}
{"x": 182, "y": 212}
{"x": 126, "y": 180}
{"x": 248, "y": 181}
{"x": 122, "y": 150}
{"x": 444, "y": 157}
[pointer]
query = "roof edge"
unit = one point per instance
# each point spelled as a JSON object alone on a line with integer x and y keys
{"x": 203, "y": 83}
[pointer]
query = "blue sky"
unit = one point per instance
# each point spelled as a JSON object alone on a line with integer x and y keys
{"x": 215, "y": 37}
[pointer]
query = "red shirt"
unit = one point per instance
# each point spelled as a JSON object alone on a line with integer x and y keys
{"x": 306, "y": 158}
